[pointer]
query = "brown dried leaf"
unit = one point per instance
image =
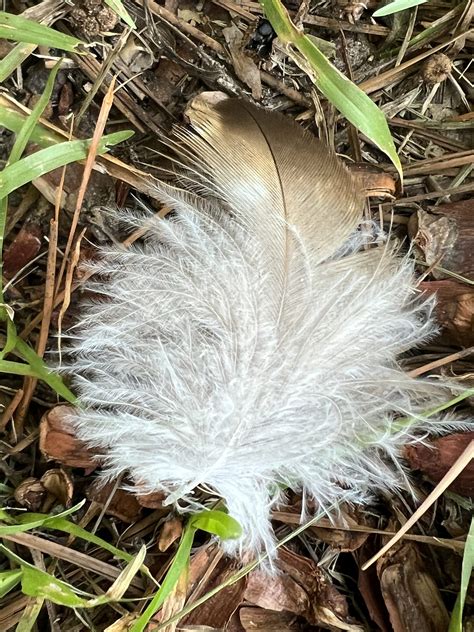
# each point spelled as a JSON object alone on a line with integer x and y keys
{"x": 278, "y": 593}
{"x": 172, "y": 530}
{"x": 446, "y": 237}
{"x": 260, "y": 620}
{"x": 343, "y": 540}
{"x": 23, "y": 249}
{"x": 59, "y": 484}
{"x": 410, "y": 593}
{"x": 119, "y": 503}
{"x": 207, "y": 570}
{"x": 30, "y": 493}
{"x": 153, "y": 500}
{"x": 454, "y": 310}
{"x": 58, "y": 442}
{"x": 436, "y": 460}
{"x": 244, "y": 66}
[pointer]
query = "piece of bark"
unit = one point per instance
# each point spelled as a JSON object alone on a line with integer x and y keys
{"x": 22, "y": 250}
{"x": 454, "y": 311}
{"x": 328, "y": 607}
{"x": 119, "y": 503}
{"x": 260, "y": 620}
{"x": 216, "y": 611}
{"x": 342, "y": 540}
{"x": 445, "y": 238}
{"x": 58, "y": 442}
{"x": 375, "y": 181}
{"x": 410, "y": 594}
{"x": 279, "y": 593}
{"x": 436, "y": 459}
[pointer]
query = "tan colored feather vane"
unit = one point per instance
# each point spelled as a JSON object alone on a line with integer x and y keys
{"x": 247, "y": 346}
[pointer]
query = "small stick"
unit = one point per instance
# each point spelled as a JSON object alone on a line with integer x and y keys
{"x": 461, "y": 462}
{"x": 441, "y": 362}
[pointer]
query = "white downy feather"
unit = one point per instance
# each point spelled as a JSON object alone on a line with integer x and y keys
{"x": 194, "y": 372}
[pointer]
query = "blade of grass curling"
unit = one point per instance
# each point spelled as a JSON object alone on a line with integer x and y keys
{"x": 20, "y": 29}
{"x": 348, "y": 98}
{"x": 46, "y": 160}
{"x": 455, "y": 625}
{"x": 396, "y": 6}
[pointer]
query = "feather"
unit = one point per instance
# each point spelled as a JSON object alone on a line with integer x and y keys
{"x": 247, "y": 345}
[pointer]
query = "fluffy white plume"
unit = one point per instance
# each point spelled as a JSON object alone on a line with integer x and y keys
{"x": 232, "y": 351}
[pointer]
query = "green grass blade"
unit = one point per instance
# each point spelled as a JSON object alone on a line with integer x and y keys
{"x": 61, "y": 524}
{"x": 16, "y": 368}
{"x": 8, "y": 581}
{"x": 218, "y": 523}
{"x": 41, "y": 371}
{"x": 37, "y": 583}
{"x": 455, "y": 625}
{"x": 40, "y": 135}
{"x": 396, "y": 6}
{"x": 178, "y": 566}
{"x": 20, "y": 29}
{"x": 14, "y": 59}
{"x": 348, "y": 98}
{"x": 27, "y": 129}
{"x": 46, "y": 160}
{"x": 11, "y": 529}
{"x": 121, "y": 11}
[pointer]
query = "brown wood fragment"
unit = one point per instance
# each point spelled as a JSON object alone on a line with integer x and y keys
{"x": 410, "y": 594}
{"x": 59, "y": 443}
{"x": 436, "y": 459}
{"x": 454, "y": 310}
{"x": 118, "y": 503}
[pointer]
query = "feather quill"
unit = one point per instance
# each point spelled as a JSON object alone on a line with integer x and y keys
{"x": 237, "y": 350}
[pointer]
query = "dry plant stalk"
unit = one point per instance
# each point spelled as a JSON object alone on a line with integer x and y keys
{"x": 249, "y": 344}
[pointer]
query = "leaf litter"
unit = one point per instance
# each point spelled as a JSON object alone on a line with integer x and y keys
{"x": 161, "y": 54}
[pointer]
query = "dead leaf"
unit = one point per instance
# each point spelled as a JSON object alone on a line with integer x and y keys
{"x": 260, "y": 620}
{"x": 171, "y": 531}
{"x": 436, "y": 459}
{"x": 59, "y": 484}
{"x": 119, "y": 503}
{"x": 344, "y": 540}
{"x": 58, "y": 442}
{"x": 279, "y": 593}
{"x": 30, "y": 493}
{"x": 208, "y": 569}
{"x": 244, "y": 66}
{"x": 22, "y": 250}
{"x": 152, "y": 500}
